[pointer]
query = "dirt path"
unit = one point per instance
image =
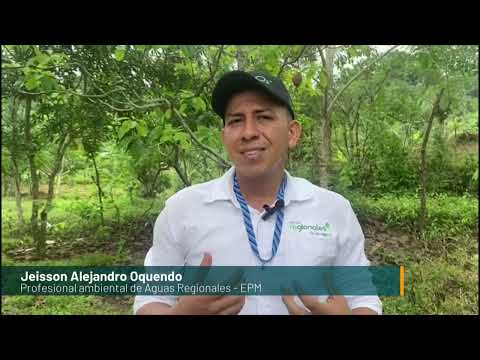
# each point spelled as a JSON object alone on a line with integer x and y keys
{"x": 381, "y": 242}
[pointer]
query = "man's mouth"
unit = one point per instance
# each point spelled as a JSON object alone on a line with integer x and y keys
{"x": 253, "y": 154}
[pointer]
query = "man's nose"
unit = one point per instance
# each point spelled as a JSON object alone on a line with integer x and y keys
{"x": 250, "y": 131}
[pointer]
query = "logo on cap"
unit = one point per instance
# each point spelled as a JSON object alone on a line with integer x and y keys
{"x": 263, "y": 79}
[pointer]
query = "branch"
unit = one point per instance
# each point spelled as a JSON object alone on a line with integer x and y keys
{"x": 285, "y": 62}
{"x": 430, "y": 120}
{"x": 134, "y": 107}
{"x": 4, "y": 68}
{"x": 220, "y": 160}
{"x": 322, "y": 57}
{"x": 111, "y": 107}
{"x": 214, "y": 159}
{"x": 103, "y": 94}
{"x": 338, "y": 145}
{"x": 345, "y": 111}
{"x": 357, "y": 75}
{"x": 84, "y": 69}
{"x": 8, "y": 50}
{"x": 21, "y": 92}
{"x": 212, "y": 73}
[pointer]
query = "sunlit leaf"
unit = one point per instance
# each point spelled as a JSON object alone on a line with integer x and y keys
{"x": 126, "y": 127}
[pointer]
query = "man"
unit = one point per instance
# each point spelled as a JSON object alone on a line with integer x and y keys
{"x": 222, "y": 222}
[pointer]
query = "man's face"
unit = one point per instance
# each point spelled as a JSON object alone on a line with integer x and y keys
{"x": 258, "y": 134}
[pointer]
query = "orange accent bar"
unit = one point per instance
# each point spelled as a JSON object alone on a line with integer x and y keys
{"x": 402, "y": 280}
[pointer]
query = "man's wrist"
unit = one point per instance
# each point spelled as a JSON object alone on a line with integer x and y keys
{"x": 174, "y": 311}
{"x": 363, "y": 311}
{"x": 155, "y": 308}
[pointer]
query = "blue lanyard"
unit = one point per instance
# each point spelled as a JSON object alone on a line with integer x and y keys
{"x": 248, "y": 221}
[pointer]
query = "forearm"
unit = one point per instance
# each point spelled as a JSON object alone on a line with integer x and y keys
{"x": 363, "y": 311}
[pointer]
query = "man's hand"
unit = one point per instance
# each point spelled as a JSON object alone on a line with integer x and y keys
{"x": 208, "y": 305}
{"x": 335, "y": 305}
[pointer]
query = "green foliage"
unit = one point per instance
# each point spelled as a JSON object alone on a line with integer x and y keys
{"x": 120, "y": 53}
{"x": 386, "y": 166}
{"x": 9, "y": 223}
{"x": 83, "y": 209}
{"x": 133, "y": 108}
{"x": 449, "y": 216}
{"x": 453, "y": 175}
{"x": 440, "y": 286}
{"x": 103, "y": 233}
{"x": 381, "y": 121}
{"x": 68, "y": 305}
{"x": 127, "y": 125}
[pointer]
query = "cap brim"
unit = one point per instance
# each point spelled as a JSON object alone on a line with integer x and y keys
{"x": 232, "y": 83}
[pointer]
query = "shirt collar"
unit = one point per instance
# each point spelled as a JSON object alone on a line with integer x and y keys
{"x": 296, "y": 190}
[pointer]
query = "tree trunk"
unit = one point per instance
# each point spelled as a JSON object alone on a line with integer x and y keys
{"x": 8, "y": 188}
{"x": 15, "y": 168}
{"x": 240, "y": 56}
{"x": 324, "y": 154}
{"x": 181, "y": 173}
{"x": 18, "y": 195}
{"x": 63, "y": 144}
{"x": 441, "y": 129}
{"x": 59, "y": 177}
{"x": 99, "y": 188}
{"x": 11, "y": 186}
{"x": 182, "y": 176}
{"x": 423, "y": 215}
{"x": 357, "y": 143}
{"x": 346, "y": 135}
{"x": 37, "y": 238}
{"x": 7, "y": 184}
{"x": 4, "y": 184}
{"x": 316, "y": 144}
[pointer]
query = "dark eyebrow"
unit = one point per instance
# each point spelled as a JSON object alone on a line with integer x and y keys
{"x": 233, "y": 114}
{"x": 263, "y": 110}
{"x": 256, "y": 111}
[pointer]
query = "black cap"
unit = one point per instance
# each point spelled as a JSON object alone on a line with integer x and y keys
{"x": 237, "y": 81}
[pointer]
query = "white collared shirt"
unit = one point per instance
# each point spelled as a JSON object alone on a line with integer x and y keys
{"x": 207, "y": 218}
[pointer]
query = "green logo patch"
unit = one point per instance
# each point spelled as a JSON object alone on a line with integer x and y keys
{"x": 315, "y": 229}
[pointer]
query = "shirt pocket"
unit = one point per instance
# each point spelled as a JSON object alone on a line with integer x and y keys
{"x": 312, "y": 250}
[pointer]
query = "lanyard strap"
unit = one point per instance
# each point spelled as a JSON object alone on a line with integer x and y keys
{"x": 248, "y": 221}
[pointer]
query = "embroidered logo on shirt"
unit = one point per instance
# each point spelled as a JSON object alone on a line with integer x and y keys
{"x": 316, "y": 229}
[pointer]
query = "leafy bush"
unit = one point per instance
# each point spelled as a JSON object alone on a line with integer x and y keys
{"x": 448, "y": 216}
{"x": 442, "y": 285}
{"x": 84, "y": 209}
{"x": 63, "y": 305}
{"x": 385, "y": 166}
